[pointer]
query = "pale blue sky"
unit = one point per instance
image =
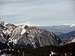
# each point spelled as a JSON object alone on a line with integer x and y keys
{"x": 39, "y": 12}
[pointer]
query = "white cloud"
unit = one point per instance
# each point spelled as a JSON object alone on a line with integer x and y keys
{"x": 27, "y": 23}
{"x": 22, "y": 9}
{"x": 51, "y": 10}
{"x": 69, "y": 8}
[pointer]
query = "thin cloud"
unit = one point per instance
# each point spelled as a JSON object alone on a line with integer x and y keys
{"x": 47, "y": 11}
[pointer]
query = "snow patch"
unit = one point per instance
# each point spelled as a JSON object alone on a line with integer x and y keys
{"x": 71, "y": 25}
{"x": 23, "y": 31}
{"x": 73, "y": 40}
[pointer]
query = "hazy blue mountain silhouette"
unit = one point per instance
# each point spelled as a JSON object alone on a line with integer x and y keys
{"x": 67, "y": 36}
{"x": 59, "y": 29}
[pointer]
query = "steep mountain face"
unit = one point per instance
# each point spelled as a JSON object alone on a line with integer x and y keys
{"x": 34, "y": 37}
{"x": 64, "y": 32}
{"x": 2, "y": 39}
{"x": 28, "y": 36}
{"x": 73, "y": 40}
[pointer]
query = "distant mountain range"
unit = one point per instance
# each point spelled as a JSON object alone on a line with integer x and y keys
{"x": 67, "y": 36}
{"x": 65, "y": 32}
{"x": 59, "y": 29}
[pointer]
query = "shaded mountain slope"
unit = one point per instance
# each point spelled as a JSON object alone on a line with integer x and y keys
{"x": 65, "y": 37}
{"x": 34, "y": 37}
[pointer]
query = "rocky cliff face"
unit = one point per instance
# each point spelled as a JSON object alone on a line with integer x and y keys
{"x": 29, "y": 36}
{"x": 33, "y": 37}
{"x": 31, "y": 40}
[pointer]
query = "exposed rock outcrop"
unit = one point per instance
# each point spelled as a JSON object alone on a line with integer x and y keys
{"x": 33, "y": 37}
{"x": 27, "y": 36}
